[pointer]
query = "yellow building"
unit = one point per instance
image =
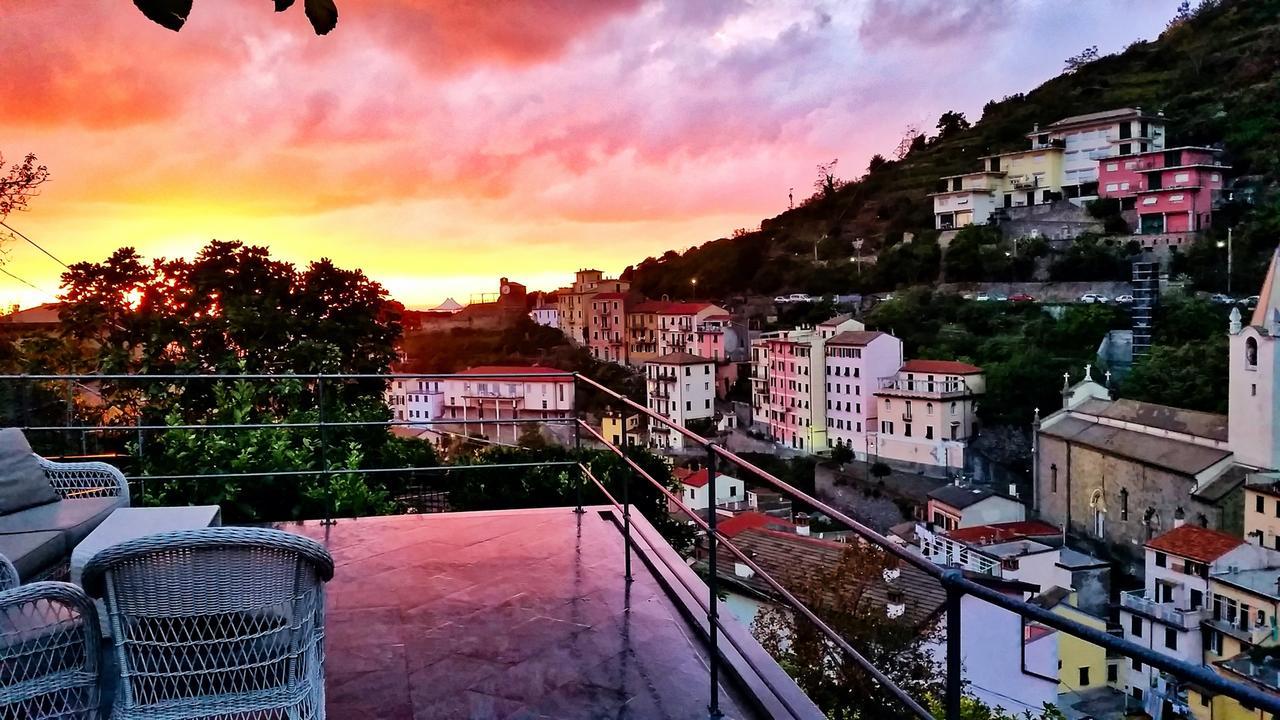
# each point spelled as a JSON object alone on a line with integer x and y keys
{"x": 1031, "y": 177}
{"x": 611, "y": 428}
{"x": 1082, "y": 665}
{"x": 1262, "y": 509}
{"x": 1246, "y": 604}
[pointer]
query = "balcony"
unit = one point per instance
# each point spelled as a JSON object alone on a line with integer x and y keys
{"x": 1242, "y": 630}
{"x": 936, "y": 389}
{"x": 1166, "y": 612}
{"x": 574, "y": 609}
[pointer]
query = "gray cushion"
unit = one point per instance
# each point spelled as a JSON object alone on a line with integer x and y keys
{"x": 22, "y": 481}
{"x": 74, "y": 518}
{"x": 33, "y": 553}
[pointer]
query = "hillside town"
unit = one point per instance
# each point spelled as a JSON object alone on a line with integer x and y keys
{"x": 641, "y": 360}
{"x": 1146, "y": 521}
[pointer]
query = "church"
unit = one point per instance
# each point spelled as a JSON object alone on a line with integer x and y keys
{"x": 1116, "y": 473}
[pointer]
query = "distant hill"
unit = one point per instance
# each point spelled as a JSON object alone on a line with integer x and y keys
{"x": 1215, "y": 75}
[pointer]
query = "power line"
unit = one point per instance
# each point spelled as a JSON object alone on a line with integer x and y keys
{"x": 34, "y": 244}
{"x": 24, "y": 282}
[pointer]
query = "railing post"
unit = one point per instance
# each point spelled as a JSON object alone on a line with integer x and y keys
{"x": 67, "y": 440}
{"x": 713, "y": 586}
{"x": 324, "y": 454}
{"x": 955, "y": 678}
{"x": 577, "y": 448}
{"x": 626, "y": 506}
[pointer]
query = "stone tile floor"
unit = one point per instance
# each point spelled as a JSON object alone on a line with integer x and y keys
{"x": 505, "y": 614}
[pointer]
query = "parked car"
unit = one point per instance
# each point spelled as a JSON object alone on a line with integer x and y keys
{"x": 1124, "y": 299}
{"x": 799, "y": 297}
{"x": 1251, "y": 301}
{"x": 1021, "y": 297}
{"x": 1221, "y": 299}
{"x": 1094, "y": 298}
{"x": 781, "y": 300}
{"x": 999, "y": 297}
{"x": 983, "y": 297}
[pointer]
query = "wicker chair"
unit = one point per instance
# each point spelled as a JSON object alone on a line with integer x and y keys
{"x": 85, "y": 479}
{"x": 219, "y": 622}
{"x": 49, "y": 653}
{"x": 8, "y": 574}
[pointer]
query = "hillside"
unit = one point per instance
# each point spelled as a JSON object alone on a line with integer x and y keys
{"x": 1215, "y": 75}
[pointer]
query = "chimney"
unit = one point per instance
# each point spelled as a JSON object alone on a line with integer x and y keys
{"x": 1179, "y": 518}
{"x": 802, "y": 524}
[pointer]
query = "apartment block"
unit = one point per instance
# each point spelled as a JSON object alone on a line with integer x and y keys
{"x": 926, "y": 413}
{"x": 574, "y": 302}
{"x": 681, "y": 387}
{"x": 855, "y": 360}
{"x": 794, "y": 409}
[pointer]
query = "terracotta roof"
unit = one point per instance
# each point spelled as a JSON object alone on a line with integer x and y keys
{"x": 753, "y": 519}
{"x": 696, "y": 478}
{"x": 519, "y": 370}
{"x": 40, "y": 314}
{"x": 855, "y": 337}
{"x": 610, "y": 296}
{"x": 1002, "y": 532}
{"x": 796, "y": 560}
{"x": 664, "y": 307}
{"x": 1179, "y": 456}
{"x": 941, "y": 367}
{"x": 836, "y": 320}
{"x": 1196, "y": 543}
{"x": 681, "y": 358}
{"x": 1164, "y": 417}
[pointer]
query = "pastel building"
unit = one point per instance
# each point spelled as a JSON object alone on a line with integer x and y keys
{"x": 574, "y": 302}
{"x": 1253, "y": 432}
{"x": 606, "y": 327}
{"x": 546, "y": 315}
{"x": 1061, "y": 162}
{"x": 855, "y": 361}
{"x": 695, "y": 490}
{"x": 1172, "y": 191}
{"x": 514, "y": 392}
{"x": 1242, "y": 636}
{"x": 1177, "y": 605}
{"x": 926, "y": 414}
{"x": 681, "y": 387}
{"x": 795, "y": 408}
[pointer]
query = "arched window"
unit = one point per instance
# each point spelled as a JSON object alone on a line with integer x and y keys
{"x": 1099, "y": 508}
{"x": 1251, "y": 352}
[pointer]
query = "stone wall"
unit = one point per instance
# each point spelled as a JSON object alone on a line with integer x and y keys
{"x": 1059, "y": 220}
{"x": 1081, "y": 471}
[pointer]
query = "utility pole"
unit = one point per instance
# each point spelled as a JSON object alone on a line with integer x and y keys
{"x": 1228, "y": 261}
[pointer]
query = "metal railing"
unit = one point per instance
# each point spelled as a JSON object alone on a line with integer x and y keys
{"x": 955, "y": 583}
{"x": 1138, "y": 601}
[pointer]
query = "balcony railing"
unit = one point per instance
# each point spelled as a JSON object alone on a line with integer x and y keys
{"x": 718, "y": 460}
{"x": 1137, "y": 601}
{"x": 924, "y": 388}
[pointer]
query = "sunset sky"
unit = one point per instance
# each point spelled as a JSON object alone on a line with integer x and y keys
{"x": 440, "y": 144}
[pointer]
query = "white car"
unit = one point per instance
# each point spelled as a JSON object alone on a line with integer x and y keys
{"x": 799, "y": 297}
{"x": 1220, "y": 299}
{"x": 1124, "y": 299}
{"x": 781, "y": 300}
{"x": 1094, "y": 298}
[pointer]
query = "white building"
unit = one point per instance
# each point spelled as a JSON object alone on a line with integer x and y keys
{"x": 953, "y": 506}
{"x": 413, "y": 399}
{"x": 855, "y": 360}
{"x": 680, "y": 387}
{"x": 1086, "y": 139}
{"x": 1166, "y": 614}
{"x": 695, "y": 490}
{"x": 546, "y": 315}
{"x": 927, "y": 414}
{"x": 1014, "y": 551}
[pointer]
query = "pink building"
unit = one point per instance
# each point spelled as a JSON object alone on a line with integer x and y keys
{"x": 660, "y": 327}
{"x": 1172, "y": 191}
{"x": 855, "y": 361}
{"x": 606, "y": 327}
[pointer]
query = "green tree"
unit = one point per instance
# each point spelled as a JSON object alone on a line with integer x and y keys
{"x": 951, "y": 123}
{"x": 233, "y": 310}
{"x": 1192, "y": 376}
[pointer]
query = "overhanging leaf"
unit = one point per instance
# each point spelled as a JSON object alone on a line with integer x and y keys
{"x": 323, "y": 15}
{"x": 169, "y": 13}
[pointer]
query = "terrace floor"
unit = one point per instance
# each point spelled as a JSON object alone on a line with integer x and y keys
{"x": 505, "y": 614}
